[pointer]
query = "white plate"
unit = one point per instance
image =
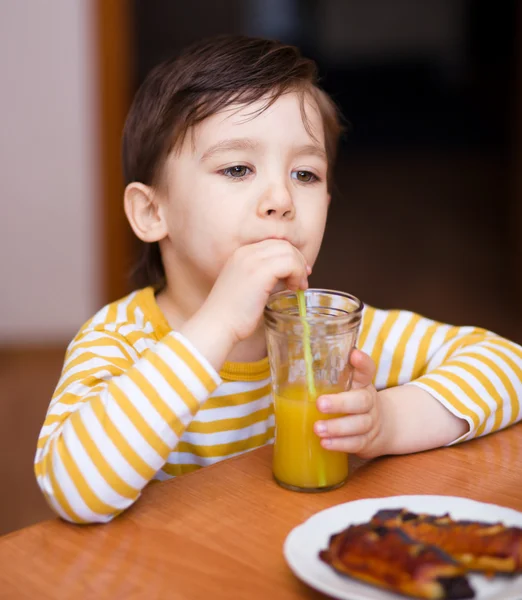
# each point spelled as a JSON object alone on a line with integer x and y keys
{"x": 303, "y": 544}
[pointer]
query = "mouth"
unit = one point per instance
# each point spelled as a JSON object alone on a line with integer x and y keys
{"x": 276, "y": 237}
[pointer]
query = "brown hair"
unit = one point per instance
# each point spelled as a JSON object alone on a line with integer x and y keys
{"x": 205, "y": 78}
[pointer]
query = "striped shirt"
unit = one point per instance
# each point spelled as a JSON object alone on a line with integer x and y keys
{"x": 136, "y": 401}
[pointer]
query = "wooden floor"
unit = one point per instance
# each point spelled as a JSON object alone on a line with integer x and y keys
{"x": 440, "y": 249}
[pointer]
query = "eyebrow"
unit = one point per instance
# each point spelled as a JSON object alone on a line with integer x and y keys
{"x": 227, "y": 145}
{"x": 311, "y": 149}
{"x": 248, "y": 144}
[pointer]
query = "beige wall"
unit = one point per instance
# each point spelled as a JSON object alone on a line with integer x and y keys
{"x": 48, "y": 171}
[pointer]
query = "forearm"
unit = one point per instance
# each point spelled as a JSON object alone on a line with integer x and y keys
{"x": 98, "y": 449}
{"x": 439, "y": 383}
{"x": 413, "y": 420}
{"x": 209, "y": 336}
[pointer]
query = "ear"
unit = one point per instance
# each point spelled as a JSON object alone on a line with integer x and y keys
{"x": 144, "y": 212}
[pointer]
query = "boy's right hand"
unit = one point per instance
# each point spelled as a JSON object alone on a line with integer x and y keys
{"x": 250, "y": 275}
{"x": 235, "y": 305}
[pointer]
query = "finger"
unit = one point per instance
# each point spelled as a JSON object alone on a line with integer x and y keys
{"x": 344, "y": 426}
{"x": 289, "y": 268}
{"x": 272, "y": 249}
{"x": 364, "y": 368}
{"x": 295, "y": 282}
{"x": 352, "y": 402}
{"x": 351, "y": 445}
{"x": 298, "y": 276}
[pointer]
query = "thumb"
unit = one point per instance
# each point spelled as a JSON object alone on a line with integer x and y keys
{"x": 363, "y": 369}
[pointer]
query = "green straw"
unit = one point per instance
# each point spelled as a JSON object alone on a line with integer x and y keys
{"x": 301, "y": 302}
{"x": 307, "y": 350}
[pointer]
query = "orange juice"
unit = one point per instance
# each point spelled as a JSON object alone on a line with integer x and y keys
{"x": 300, "y": 462}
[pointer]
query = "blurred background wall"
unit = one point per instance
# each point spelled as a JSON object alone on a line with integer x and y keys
{"x": 49, "y": 171}
{"x": 426, "y": 212}
{"x": 50, "y": 261}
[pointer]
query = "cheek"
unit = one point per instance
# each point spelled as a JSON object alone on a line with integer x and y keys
{"x": 211, "y": 239}
{"x": 315, "y": 227}
{"x": 316, "y": 220}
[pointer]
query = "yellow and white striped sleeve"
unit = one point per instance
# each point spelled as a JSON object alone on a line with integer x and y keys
{"x": 475, "y": 374}
{"x": 114, "y": 419}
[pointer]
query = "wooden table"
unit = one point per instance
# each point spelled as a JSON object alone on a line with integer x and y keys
{"x": 218, "y": 533}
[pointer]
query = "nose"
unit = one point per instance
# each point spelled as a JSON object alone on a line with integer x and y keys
{"x": 276, "y": 202}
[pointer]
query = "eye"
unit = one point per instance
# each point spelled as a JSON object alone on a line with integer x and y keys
{"x": 237, "y": 171}
{"x": 304, "y": 176}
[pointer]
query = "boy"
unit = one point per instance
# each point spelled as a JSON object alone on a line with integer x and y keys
{"x": 228, "y": 152}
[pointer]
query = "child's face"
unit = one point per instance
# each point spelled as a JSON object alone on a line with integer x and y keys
{"x": 241, "y": 180}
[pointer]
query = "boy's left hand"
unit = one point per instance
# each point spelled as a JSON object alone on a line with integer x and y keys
{"x": 357, "y": 430}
